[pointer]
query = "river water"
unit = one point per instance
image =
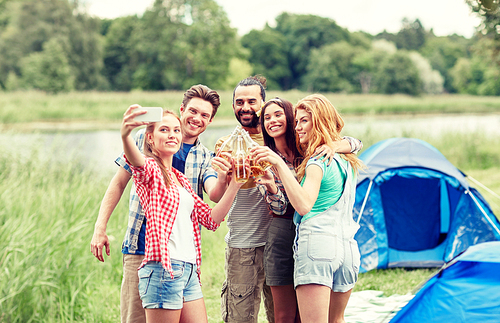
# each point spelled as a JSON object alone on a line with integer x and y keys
{"x": 98, "y": 149}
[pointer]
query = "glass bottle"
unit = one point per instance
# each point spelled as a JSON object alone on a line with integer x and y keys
{"x": 227, "y": 146}
{"x": 240, "y": 162}
{"x": 257, "y": 169}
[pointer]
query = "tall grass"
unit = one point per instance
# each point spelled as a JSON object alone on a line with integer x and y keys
{"x": 105, "y": 107}
{"x": 47, "y": 211}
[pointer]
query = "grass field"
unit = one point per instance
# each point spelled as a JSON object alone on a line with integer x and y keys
{"x": 48, "y": 207}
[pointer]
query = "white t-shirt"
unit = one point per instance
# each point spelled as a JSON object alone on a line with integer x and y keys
{"x": 181, "y": 243}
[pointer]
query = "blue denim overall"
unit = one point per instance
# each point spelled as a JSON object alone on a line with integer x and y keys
{"x": 325, "y": 251}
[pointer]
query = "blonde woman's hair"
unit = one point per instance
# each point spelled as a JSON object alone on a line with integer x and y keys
{"x": 327, "y": 125}
{"x": 151, "y": 151}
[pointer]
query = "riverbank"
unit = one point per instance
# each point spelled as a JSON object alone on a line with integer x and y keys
{"x": 486, "y": 122}
{"x": 89, "y": 107}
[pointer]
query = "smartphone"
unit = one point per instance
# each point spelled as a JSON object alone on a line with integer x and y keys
{"x": 153, "y": 114}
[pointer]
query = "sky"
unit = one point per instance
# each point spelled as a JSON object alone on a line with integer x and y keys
{"x": 445, "y": 17}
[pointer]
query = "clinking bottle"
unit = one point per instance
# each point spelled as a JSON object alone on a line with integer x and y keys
{"x": 228, "y": 146}
{"x": 240, "y": 161}
{"x": 257, "y": 169}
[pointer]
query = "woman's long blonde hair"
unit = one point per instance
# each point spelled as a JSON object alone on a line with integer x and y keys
{"x": 327, "y": 125}
{"x": 151, "y": 151}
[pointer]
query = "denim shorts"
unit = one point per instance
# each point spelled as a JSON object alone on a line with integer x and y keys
{"x": 158, "y": 290}
{"x": 322, "y": 257}
{"x": 278, "y": 252}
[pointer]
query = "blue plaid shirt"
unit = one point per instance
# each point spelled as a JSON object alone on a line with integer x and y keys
{"x": 197, "y": 169}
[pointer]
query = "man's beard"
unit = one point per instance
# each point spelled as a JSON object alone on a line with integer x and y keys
{"x": 254, "y": 123}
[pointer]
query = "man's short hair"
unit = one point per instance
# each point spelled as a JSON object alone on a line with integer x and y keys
{"x": 205, "y": 93}
{"x": 254, "y": 80}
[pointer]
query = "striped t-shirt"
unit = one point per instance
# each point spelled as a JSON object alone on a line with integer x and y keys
{"x": 249, "y": 218}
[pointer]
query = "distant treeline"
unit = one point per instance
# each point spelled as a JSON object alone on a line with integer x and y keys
{"x": 54, "y": 46}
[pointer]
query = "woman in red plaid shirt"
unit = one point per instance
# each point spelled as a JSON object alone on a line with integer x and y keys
{"x": 169, "y": 276}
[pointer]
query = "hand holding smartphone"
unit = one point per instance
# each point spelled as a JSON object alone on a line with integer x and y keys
{"x": 153, "y": 114}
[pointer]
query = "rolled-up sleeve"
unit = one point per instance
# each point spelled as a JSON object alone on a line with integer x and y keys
{"x": 356, "y": 144}
{"x": 278, "y": 202}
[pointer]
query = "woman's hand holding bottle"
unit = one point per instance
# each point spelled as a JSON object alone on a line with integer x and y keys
{"x": 264, "y": 154}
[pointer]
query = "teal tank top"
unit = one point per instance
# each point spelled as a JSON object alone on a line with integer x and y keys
{"x": 332, "y": 186}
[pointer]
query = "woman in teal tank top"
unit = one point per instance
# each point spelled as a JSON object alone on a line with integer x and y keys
{"x": 278, "y": 122}
{"x": 325, "y": 252}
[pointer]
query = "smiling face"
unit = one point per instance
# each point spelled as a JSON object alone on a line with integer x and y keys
{"x": 195, "y": 117}
{"x": 274, "y": 121}
{"x": 303, "y": 125}
{"x": 247, "y": 101}
{"x": 166, "y": 137}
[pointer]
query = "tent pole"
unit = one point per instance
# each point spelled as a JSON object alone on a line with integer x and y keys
{"x": 482, "y": 210}
{"x": 364, "y": 201}
{"x": 487, "y": 189}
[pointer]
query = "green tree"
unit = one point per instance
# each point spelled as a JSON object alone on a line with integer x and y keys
{"x": 269, "y": 56}
{"x": 12, "y": 83}
{"x": 4, "y": 17}
{"x": 365, "y": 65}
{"x": 489, "y": 11}
{"x": 483, "y": 51}
{"x": 491, "y": 84}
{"x": 120, "y": 60}
{"x": 361, "y": 39}
{"x": 104, "y": 26}
{"x": 462, "y": 77}
{"x": 331, "y": 68}
{"x": 479, "y": 74}
{"x": 239, "y": 69}
{"x": 443, "y": 53}
{"x": 398, "y": 74}
{"x": 302, "y": 34}
{"x": 30, "y": 24}
{"x": 48, "y": 70}
{"x": 180, "y": 43}
{"x": 86, "y": 53}
{"x": 432, "y": 81}
{"x": 322, "y": 75}
{"x": 390, "y": 37}
{"x": 411, "y": 36}
{"x": 156, "y": 48}
{"x": 210, "y": 43}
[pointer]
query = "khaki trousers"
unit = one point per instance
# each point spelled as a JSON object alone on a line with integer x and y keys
{"x": 130, "y": 302}
{"x": 245, "y": 282}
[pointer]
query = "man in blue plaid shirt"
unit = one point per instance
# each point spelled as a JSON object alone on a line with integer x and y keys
{"x": 198, "y": 108}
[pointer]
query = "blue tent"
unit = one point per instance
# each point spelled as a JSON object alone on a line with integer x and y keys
{"x": 415, "y": 208}
{"x": 467, "y": 289}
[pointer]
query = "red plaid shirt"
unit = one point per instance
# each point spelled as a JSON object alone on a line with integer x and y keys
{"x": 161, "y": 205}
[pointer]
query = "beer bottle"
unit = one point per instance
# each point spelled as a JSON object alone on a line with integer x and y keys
{"x": 257, "y": 169}
{"x": 240, "y": 161}
{"x": 228, "y": 146}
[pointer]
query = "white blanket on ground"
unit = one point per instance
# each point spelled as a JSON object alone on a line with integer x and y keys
{"x": 371, "y": 306}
